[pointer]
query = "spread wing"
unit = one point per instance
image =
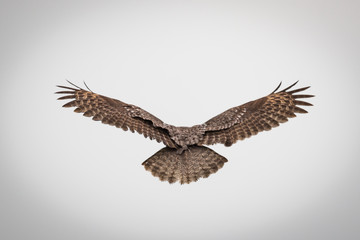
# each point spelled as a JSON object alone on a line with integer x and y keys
{"x": 256, "y": 116}
{"x": 116, "y": 113}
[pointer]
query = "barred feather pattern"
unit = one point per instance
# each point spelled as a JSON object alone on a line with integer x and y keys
{"x": 185, "y": 159}
{"x": 116, "y": 113}
{"x": 253, "y": 117}
{"x": 194, "y": 163}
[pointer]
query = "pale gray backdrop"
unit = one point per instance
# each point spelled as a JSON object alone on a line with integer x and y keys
{"x": 64, "y": 176}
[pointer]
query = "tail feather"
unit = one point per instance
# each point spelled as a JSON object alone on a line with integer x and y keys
{"x": 192, "y": 164}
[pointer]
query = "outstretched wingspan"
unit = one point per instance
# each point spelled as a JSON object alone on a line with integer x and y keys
{"x": 185, "y": 159}
{"x": 116, "y": 113}
{"x": 256, "y": 116}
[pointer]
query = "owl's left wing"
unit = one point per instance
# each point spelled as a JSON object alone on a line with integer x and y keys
{"x": 116, "y": 113}
{"x": 256, "y": 116}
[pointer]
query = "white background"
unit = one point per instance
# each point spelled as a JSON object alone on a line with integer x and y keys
{"x": 63, "y": 176}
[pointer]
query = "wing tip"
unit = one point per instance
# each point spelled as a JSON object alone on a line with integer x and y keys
{"x": 284, "y": 90}
{"x": 277, "y": 87}
{"x": 303, "y": 103}
{"x": 77, "y": 88}
{"x": 303, "y": 96}
{"x": 74, "y": 84}
{"x": 66, "y": 97}
{"x": 66, "y": 87}
{"x": 299, "y": 110}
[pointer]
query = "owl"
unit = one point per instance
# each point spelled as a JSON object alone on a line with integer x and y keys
{"x": 185, "y": 157}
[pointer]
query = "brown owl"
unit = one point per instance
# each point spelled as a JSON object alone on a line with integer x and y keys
{"x": 185, "y": 158}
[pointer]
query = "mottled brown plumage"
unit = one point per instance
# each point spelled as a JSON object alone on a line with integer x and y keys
{"x": 192, "y": 164}
{"x": 184, "y": 158}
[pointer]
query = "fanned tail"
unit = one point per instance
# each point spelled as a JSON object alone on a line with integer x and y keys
{"x": 192, "y": 164}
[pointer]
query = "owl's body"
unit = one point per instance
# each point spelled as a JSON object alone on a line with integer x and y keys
{"x": 186, "y": 136}
{"x": 185, "y": 158}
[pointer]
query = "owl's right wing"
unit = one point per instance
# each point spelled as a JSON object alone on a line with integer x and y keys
{"x": 256, "y": 116}
{"x": 116, "y": 113}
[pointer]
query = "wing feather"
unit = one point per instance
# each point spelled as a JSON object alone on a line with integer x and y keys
{"x": 116, "y": 113}
{"x": 253, "y": 117}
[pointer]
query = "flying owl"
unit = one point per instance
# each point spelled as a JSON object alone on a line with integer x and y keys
{"x": 185, "y": 158}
